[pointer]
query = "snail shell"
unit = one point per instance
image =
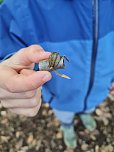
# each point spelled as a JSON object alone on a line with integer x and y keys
{"x": 54, "y": 62}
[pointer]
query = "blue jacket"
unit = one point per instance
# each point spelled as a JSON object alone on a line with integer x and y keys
{"x": 82, "y": 30}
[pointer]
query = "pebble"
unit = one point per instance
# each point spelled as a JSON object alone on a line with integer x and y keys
{"x": 44, "y": 113}
{"x": 0, "y": 106}
{"x": 110, "y": 148}
{"x": 47, "y": 150}
{"x": 69, "y": 150}
{"x": 99, "y": 112}
{"x": 108, "y": 115}
{"x": 105, "y": 121}
{"x": 38, "y": 144}
{"x": 11, "y": 150}
{"x": 50, "y": 112}
{"x": 3, "y": 113}
{"x": 4, "y": 121}
{"x": 82, "y": 133}
{"x": 106, "y": 109}
{"x": 113, "y": 143}
{"x": 34, "y": 142}
{"x": 46, "y": 105}
{"x": 76, "y": 121}
{"x": 19, "y": 144}
{"x": 111, "y": 97}
{"x": 30, "y": 139}
{"x": 59, "y": 135}
{"x": 103, "y": 105}
{"x": 4, "y": 138}
{"x": 18, "y": 133}
{"x": 96, "y": 148}
{"x": 108, "y": 140}
{"x": 56, "y": 122}
{"x": 96, "y": 132}
{"x": 84, "y": 147}
{"x": 93, "y": 137}
{"x": 25, "y": 148}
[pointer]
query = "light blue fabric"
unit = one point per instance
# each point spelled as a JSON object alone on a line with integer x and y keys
{"x": 66, "y": 118}
{"x": 65, "y": 26}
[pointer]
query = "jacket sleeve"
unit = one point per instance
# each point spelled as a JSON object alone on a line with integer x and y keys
{"x": 9, "y": 41}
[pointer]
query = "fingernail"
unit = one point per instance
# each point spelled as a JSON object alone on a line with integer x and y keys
{"x": 46, "y": 77}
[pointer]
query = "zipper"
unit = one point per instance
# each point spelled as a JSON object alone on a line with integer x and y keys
{"x": 94, "y": 49}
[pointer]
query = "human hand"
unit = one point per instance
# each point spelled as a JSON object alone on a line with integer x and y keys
{"x": 111, "y": 93}
{"x": 20, "y": 84}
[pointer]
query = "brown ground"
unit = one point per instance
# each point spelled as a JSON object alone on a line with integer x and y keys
{"x": 42, "y": 133}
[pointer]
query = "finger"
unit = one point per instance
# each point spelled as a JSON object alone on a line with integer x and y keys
{"x": 27, "y": 71}
{"x": 4, "y": 94}
{"x": 22, "y": 103}
{"x": 30, "y": 112}
{"x": 112, "y": 92}
{"x": 27, "y": 83}
{"x": 112, "y": 86}
{"x": 29, "y": 55}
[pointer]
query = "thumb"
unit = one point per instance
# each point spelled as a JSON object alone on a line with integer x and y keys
{"x": 27, "y": 81}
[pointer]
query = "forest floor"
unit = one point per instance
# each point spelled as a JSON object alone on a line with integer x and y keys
{"x": 42, "y": 132}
